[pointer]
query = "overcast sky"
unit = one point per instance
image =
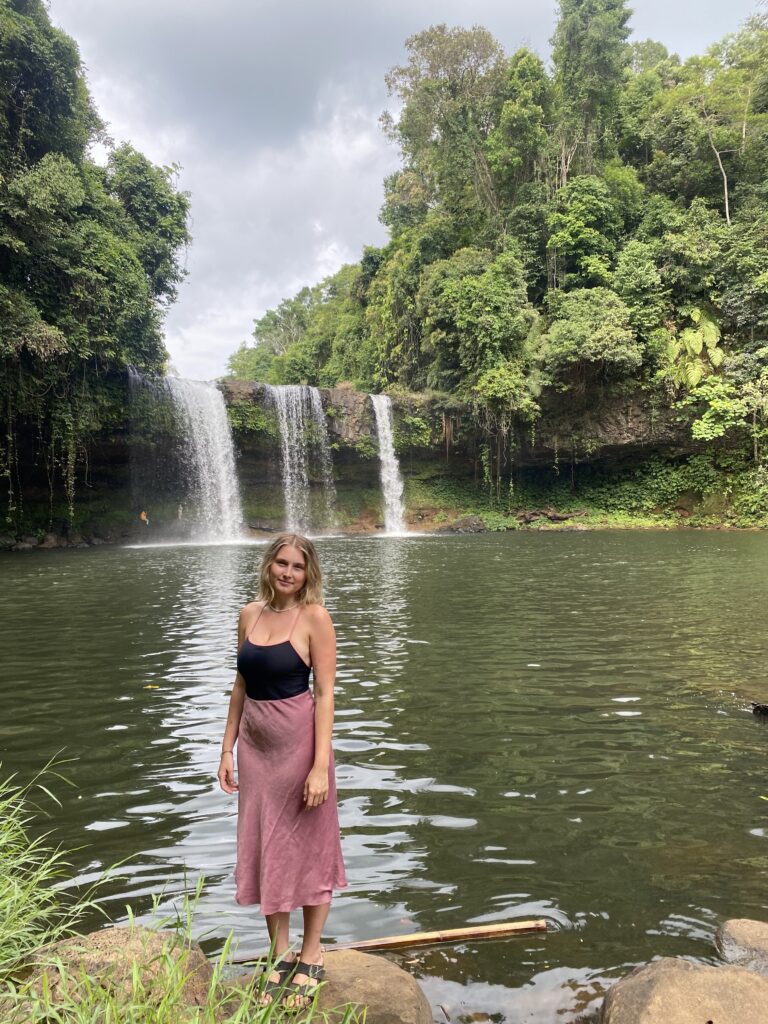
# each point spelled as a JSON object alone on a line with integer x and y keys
{"x": 271, "y": 107}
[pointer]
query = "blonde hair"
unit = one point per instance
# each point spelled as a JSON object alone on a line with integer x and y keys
{"x": 312, "y": 591}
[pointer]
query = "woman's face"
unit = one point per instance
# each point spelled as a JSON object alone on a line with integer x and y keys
{"x": 288, "y": 572}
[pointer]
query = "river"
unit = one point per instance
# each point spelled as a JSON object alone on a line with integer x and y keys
{"x": 544, "y": 725}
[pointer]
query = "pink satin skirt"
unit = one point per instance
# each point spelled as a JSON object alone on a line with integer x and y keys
{"x": 288, "y": 856}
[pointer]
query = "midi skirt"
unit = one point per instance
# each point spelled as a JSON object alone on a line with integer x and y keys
{"x": 288, "y": 855}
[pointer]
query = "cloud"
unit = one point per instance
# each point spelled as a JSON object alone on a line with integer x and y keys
{"x": 271, "y": 107}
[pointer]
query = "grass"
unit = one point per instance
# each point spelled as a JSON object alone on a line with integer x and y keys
{"x": 45, "y": 981}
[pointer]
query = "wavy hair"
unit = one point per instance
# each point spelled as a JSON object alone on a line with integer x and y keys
{"x": 312, "y": 591}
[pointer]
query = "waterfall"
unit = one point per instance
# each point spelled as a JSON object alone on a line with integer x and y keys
{"x": 391, "y": 480}
{"x": 303, "y": 431}
{"x": 207, "y": 437}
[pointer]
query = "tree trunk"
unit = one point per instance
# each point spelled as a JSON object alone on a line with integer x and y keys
{"x": 725, "y": 180}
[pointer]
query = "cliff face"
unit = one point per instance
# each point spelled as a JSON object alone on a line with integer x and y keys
{"x": 596, "y": 429}
{"x": 442, "y": 451}
{"x": 605, "y": 429}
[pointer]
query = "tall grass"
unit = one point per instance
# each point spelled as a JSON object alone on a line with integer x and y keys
{"x": 39, "y": 985}
{"x": 32, "y": 913}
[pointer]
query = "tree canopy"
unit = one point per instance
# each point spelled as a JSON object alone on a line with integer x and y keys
{"x": 89, "y": 254}
{"x": 601, "y": 222}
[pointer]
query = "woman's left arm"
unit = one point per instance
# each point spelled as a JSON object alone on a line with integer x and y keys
{"x": 322, "y": 651}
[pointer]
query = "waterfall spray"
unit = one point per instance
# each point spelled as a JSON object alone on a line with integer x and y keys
{"x": 391, "y": 480}
{"x": 303, "y": 430}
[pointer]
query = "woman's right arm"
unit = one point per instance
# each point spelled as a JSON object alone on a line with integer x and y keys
{"x": 236, "y": 701}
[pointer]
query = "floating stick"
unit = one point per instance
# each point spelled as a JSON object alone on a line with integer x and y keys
{"x": 448, "y": 935}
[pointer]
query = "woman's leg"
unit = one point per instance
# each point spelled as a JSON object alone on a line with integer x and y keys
{"x": 311, "y": 950}
{"x": 278, "y": 928}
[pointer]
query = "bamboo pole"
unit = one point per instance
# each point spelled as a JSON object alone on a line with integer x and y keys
{"x": 502, "y": 930}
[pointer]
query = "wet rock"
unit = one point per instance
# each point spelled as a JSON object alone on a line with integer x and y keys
{"x": 744, "y": 943}
{"x": 75, "y": 539}
{"x": 50, "y": 540}
{"x": 467, "y": 524}
{"x": 108, "y": 959}
{"x": 391, "y": 995}
{"x": 678, "y": 992}
{"x": 24, "y": 545}
{"x": 6, "y": 541}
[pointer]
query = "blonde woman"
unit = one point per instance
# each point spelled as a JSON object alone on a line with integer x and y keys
{"x": 288, "y": 846}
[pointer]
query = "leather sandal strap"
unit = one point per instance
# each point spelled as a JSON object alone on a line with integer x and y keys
{"x": 316, "y": 971}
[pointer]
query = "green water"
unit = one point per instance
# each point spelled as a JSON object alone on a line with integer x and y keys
{"x": 533, "y": 725}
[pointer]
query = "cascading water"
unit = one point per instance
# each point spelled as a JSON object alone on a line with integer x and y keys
{"x": 391, "y": 480}
{"x": 208, "y": 439}
{"x": 302, "y": 428}
{"x": 182, "y": 460}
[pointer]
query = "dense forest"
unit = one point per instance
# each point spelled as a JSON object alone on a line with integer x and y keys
{"x": 562, "y": 233}
{"x": 89, "y": 258}
{"x": 595, "y": 224}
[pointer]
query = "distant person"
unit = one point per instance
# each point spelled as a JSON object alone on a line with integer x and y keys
{"x": 288, "y": 845}
{"x": 144, "y": 518}
{"x": 179, "y": 511}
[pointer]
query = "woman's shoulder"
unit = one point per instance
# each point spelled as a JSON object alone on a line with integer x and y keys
{"x": 317, "y": 613}
{"x": 248, "y": 609}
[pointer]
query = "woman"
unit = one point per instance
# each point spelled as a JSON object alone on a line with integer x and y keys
{"x": 288, "y": 847}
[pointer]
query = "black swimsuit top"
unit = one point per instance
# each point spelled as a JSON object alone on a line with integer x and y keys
{"x": 272, "y": 671}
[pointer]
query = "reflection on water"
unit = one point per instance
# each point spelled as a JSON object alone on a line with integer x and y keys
{"x": 528, "y": 726}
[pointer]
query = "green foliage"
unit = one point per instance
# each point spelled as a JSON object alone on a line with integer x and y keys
{"x": 474, "y": 312}
{"x": 591, "y": 332}
{"x": 251, "y": 362}
{"x": 412, "y": 432}
{"x": 31, "y": 912}
{"x": 695, "y": 353}
{"x": 583, "y": 232}
{"x": 589, "y": 54}
{"x": 248, "y": 417}
{"x": 724, "y": 408}
{"x": 89, "y": 256}
{"x": 637, "y": 280}
{"x": 451, "y": 93}
{"x": 517, "y": 144}
{"x": 505, "y": 392}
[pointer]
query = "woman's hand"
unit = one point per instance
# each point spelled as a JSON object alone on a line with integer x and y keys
{"x": 227, "y": 773}
{"x": 316, "y": 787}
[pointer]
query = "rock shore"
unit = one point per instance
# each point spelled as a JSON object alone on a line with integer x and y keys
{"x": 125, "y": 960}
{"x": 674, "y": 991}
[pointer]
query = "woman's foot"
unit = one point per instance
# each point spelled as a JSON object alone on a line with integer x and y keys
{"x": 310, "y": 972}
{"x": 279, "y": 977}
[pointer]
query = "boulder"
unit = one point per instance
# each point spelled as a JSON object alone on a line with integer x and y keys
{"x": 108, "y": 957}
{"x": 50, "y": 540}
{"x": 744, "y": 943}
{"x": 467, "y": 524}
{"x": 391, "y": 995}
{"x": 678, "y": 992}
